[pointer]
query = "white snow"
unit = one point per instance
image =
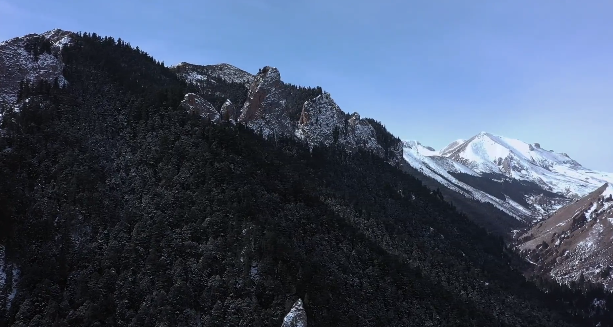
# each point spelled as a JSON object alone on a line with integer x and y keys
{"x": 296, "y": 317}
{"x": 452, "y": 146}
{"x": 515, "y": 159}
{"x": 431, "y": 167}
{"x": 200, "y": 75}
{"x": 13, "y": 293}
{"x": 2, "y": 267}
{"x": 608, "y": 191}
{"x": 588, "y": 213}
{"x": 517, "y": 206}
{"x": 5, "y": 269}
{"x": 589, "y": 243}
{"x": 488, "y": 153}
{"x": 24, "y": 66}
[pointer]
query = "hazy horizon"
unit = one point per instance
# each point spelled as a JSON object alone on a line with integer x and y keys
{"x": 537, "y": 72}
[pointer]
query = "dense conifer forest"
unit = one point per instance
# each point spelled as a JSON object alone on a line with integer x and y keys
{"x": 121, "y": 209}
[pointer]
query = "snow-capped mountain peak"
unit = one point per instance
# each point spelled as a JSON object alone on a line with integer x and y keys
{"x": 452, "y": 146}
{"x": 556, "y": 172}
{"x": 420, "y": 148}
{"x": 485, "y": 149}
{"x": 493, "y": 160}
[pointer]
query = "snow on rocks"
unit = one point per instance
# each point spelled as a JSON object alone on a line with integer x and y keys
{"x": 575, "y": 240}
{"x": 229, "y": 112}
{"x": 426, "y": 161}
{"x": 9, "y": 275}
{"x": 322, "y": 122}
{"x": 203, "y": 75}
{"x": 296, "y": 317}
{"x": 18, "y": 62}
{"x": 264, "y": 111}
{"x": 558, "y": 173}
{"x": 489, "y": 155}
{"x": 196, "y": 104}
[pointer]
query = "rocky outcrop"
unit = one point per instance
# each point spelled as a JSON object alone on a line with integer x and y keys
{"x": 32, "y": 57}
{"x": 229, "y": 113}
{"x": 264, "y": 111}
{"x": 296, "y": 317}
{"x": 575, "y": 241}
{"x": 9, "y": 275}
{"x": 271, "y": 109}
{"x": 322, "y": 122}
{"x": 203, "y": 76}
{"x": 196, "y": 104}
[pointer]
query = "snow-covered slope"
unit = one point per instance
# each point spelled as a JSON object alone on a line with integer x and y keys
{"x": 575, "y": 240}
{"x": 555, "y": 172}
{"x": 425, "y": 160}
{"x": 452, "y": 146}
{"x": 497, "y": 159}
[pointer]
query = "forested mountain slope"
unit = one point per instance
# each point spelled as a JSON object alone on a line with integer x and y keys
{"x": 121, "y": 208}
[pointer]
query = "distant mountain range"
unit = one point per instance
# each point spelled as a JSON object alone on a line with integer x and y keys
{"x": 524, "y": 180}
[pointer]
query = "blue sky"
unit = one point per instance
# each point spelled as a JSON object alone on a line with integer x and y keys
{"x": 434, "y": 71}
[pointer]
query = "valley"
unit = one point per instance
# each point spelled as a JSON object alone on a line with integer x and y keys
{"x": 138, "y": 194}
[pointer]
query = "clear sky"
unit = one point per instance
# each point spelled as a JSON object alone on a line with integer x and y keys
{"x": 434, "y": 71}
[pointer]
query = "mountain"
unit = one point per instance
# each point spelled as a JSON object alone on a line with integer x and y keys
{"x": 523, "y": 180}
{"x": 558, "y": 173}
{"x": 551, "y": 193}
{"x": 575, "y": 242}
{"x": 123, "y": 202}
{"x": 440, "y": 168}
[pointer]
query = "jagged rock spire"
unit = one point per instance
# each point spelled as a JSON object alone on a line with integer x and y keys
{"x": 296, "y": 316}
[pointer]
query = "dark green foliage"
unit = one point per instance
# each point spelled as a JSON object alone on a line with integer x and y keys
{"x": 123, "y": 210}
{"x": 38, "y": 45}
{"x": 484, "y": 214}
{"x": 218, "y": 91}
{"x": 387, "y": 140}
{"x": 296, "y": 96}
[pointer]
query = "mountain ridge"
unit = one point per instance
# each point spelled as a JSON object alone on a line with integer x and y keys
{"x": 492, "y": 155}
{"x": 309, "y": 115}
{"x": 575, "y": 242}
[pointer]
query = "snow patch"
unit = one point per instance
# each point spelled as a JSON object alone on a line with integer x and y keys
{"x": 8, "y": 272}
{"x": 431, "y": 167}
{"x": 588, "y": 213}
{"x": 296, "y": 316}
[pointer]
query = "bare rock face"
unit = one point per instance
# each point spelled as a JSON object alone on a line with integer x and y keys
{"x": 32, "y": 57}
{"x": 296, "y": 317}
{"x": 264, "y": 111}
{"x": 9, "y": 275}
{"x": 575, "y": 241}
{"x": 322, "y": 122}
{"x": 196, "y": 104}
{"x": 229, "y": 113}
